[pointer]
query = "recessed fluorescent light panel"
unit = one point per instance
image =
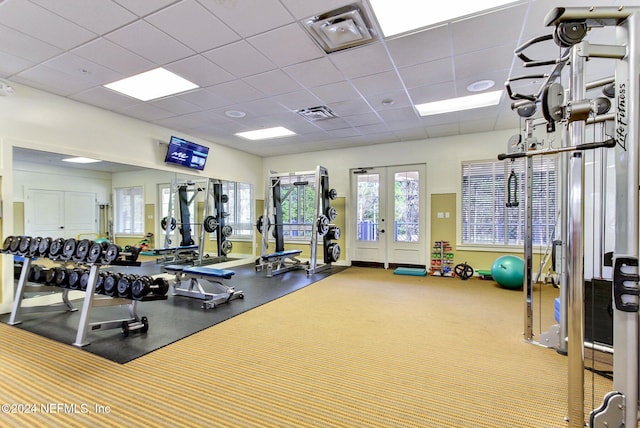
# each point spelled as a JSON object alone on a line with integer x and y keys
{"x": 80, "y": 160}
{"x": 263, "y": 134}
{"x": 401, "y": 16}
{"x": 485, "y": 99}
{"x": 152, "y": 84}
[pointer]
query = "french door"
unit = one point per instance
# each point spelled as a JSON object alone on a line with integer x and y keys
{"x": 59, "y": 214}
{"x": 388, "y": 216}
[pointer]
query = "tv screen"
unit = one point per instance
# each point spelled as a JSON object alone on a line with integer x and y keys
{"x": 185, "y": 153}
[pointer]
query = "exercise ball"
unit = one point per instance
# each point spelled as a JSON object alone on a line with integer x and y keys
{"x": 508, "y": 272}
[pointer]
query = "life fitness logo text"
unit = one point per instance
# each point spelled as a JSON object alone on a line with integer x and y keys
{"x": 622, "y": 124}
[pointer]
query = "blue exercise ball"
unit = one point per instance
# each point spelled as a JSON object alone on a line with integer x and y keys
{"x": 508, "y": 271}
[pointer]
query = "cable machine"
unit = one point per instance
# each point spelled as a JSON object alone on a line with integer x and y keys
{"x": 620, "y": 407}
{"x": 282, "y": 260}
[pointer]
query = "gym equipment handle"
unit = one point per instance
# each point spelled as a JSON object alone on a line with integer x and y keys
{"x": 585, "y": 146}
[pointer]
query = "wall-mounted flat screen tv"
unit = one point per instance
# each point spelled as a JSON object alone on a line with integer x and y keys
{"x": 187, "y": 154}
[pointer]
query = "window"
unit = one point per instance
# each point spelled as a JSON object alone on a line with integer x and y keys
{"x": 485, "y": 216}
{"x": 129, "y": 211}
{"x": 297, "y": 195}
{"x": 238, "y": 208}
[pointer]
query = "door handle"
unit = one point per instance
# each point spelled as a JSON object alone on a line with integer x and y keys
{"x": 381, "y": 230}
{"x": 61, "y": 227}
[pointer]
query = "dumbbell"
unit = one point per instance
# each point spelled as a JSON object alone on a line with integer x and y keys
{"x": 111, "y": 283}
{"x": 124, "y": 285}
{"x": 62, "y": 277}
{"x": 6, "y": 244}
{"x": 68, "y": 249}
{"x": 144, "y": 285}
{"x": 34, "y": 246}
{"x": 38, "y": 274}
{"x": 82, "y": 250}
{"x": 23, "y": 247}
{"x": 43, "y": 247}
{"x": 55, "y": 248}
{"x": 74, "y": 278}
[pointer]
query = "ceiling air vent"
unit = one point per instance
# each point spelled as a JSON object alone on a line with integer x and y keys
{"x": 313, "y": 114}
{"x": 341, "y": 28}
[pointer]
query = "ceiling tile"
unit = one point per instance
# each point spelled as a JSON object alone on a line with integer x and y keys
{"x": 250, "y": 18}
{"x": 105, "y": 98}
{"x": 334, "y": 92}
{"x": 145, "y": 111}
{"x": 24, "y": 46}
{"x": 205, "y": 99}
{"x": 150, "y": 43}
{"x": 51, "y": 80}
{"x": 299, "y": 45}
{"x": 429, "y": 93}
{"x": 236, "y": 91}
{"x": 387, "y": 81}
{"x": 305, "y": 8}
{"x": 389, "y": 100}
{"x": 351, "y": 107}
{"x": 104, "y": 52}
{"x": 359, "y": 120}
{"x": 427, "y": 73}
{"x": 144, "y": 7}
{"x": 315, "y": 72}
{"x": 481, "y": 32}
{"x": 81, "y": 68}
{"x": 240, "y": 59}
{"x": 274, "y": 82}
{"x": 175, "y": 105}
{"x": 10, "y": 65}
{"x": 200, "y": 71}
{"x": 420, "y": 47}
{"x": 478, "y": 62}
{"x": 205, "y": 31}
{"x": 298, "y": 100}
{"x": 97, "y": 16}
{"x": 41, "y": 24}
{"x": 362, "y": 60}
{"x": 443, "y": 130}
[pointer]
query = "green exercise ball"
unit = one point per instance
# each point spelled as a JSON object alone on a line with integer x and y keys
{"x": 508, "y": 271}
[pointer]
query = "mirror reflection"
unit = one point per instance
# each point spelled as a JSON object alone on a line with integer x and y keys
{"x": 170, "y": 216}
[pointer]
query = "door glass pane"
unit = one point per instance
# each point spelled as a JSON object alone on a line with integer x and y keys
{"x": 368, "y": 206}
{"x": 407, "y": 206}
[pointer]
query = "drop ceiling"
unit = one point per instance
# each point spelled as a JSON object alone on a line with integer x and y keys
{"x": 255, "y": 56}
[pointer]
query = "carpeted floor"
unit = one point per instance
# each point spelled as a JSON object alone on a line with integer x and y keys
{"x": 361, "y": 348}
{"x": 169, "y": 320}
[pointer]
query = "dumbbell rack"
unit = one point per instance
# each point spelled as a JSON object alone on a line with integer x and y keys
{"x": 91, "y": 299}
{"x": 442, "y": 259}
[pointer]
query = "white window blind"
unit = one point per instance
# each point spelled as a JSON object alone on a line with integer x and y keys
{"x": 129, "y": 211}
{"x": 486, "y": 219}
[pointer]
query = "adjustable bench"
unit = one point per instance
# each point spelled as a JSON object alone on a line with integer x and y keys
{"x": 181, "y": 254}
{"x": 276, "y": 263}
{"x": 188, "y": 283}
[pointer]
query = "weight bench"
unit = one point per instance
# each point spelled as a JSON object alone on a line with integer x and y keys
{"x": 276, "y": 263}
{"x": 188, "y": 283}
{"x": 181, "y": 254}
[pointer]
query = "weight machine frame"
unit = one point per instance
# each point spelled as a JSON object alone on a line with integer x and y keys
{"x": 273, "y": 210}
{"x": 620, "y": 407}
{"x": 213, "y": 192}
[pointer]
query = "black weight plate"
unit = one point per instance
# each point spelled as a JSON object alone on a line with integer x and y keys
{"x": 162, "y": 286}
{"x": 170, "y": 223}
{"x": 6, "y": 245}
{"x": 139, "y": 288}
{"x": 82, "y": 249}
{"x": 84, "y": 280}
{"x": 62, "y": 277}
{"x": 15, "y": 244}
{"x": 210, "y": 224}
{"x": 124, "y": 287}
{"x": 34, "y": 246}
{"x": 51, "y": 276}
{"x": 332, "y": 213}
{"x": 25, "y": 243}
{"x": 95, "y": 251}
{"x": 322, "y": 224}
{"x": 74, "y": 279}
{"x": 110, "y": 284}
{"x": 69, "y": 248}
{"x": 111, "y": 254}
{"x": 56, "y": 247}
{"x": 100, "y": 282}
{"x": 227, "y": 230}
{"x": 43, "y": 248}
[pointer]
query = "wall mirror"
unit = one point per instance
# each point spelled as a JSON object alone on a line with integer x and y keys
{"x": 131, "y": 205}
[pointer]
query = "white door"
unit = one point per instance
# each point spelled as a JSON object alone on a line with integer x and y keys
{"x": 389, "y": 215}
{"x": 58, "y": 213}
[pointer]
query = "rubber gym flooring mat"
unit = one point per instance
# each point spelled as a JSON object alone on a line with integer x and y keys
{"x": 169, "y": 320}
